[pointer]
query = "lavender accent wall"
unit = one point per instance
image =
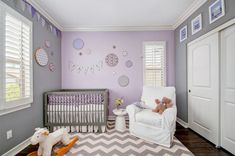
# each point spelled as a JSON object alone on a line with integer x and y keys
{"x": 100, "y": 44}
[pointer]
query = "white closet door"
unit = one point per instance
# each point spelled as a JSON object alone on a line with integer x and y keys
{"x": 203, "y": 87}
{"x": 228, "y": 89}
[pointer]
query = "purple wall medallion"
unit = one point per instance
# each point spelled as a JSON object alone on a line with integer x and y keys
{"x": 111, "y": 60}
{"x": 78, "y": 44}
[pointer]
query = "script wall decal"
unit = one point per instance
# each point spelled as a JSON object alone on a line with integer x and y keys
{"x": 83, "y": 69}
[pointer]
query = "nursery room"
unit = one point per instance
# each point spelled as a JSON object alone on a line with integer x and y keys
{"x": 117, "y": 77}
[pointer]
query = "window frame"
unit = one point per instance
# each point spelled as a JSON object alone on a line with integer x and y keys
{"x": 22, "y": 103}
{"x": 163, "y": 43}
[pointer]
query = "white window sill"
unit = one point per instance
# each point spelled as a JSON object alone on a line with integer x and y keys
{"x": 14, "y": 109}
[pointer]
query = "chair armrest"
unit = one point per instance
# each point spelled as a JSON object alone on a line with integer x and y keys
{"x": 169, "y": 119}
{"x": 132, "y": 109}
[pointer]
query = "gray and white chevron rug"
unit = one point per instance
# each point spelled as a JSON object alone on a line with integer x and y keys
{"x": 114, "y": 143}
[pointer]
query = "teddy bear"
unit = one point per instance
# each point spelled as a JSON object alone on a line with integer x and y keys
{"x": 162, "y": 105}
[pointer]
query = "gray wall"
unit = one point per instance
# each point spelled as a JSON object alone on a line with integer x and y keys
{"x": 181, "y": 50}
{"x": 24, "y": 121}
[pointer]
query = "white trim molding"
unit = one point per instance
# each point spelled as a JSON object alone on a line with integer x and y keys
{"x": 119, "y": 28}
{"x": 188, "y": 12}
{"x": 18, "y": 148}
{"x": 182, "y": 123}
{"x": 14, "y": 109}
{"x": 45, "y": 14}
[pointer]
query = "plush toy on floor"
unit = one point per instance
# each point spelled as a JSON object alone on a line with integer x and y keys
{"x": 47, "y": 140}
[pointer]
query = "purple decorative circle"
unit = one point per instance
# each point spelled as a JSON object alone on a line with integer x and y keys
{"x": 78, "y": 44}
{"x": 111, "y": 60}
{"x": 52, "y": 67}
{"x": 129, "y": 64}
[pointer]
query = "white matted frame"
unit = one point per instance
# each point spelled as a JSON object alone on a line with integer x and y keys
{"x": 196, "y": 24}
{"x": 22, "y": 102}
{"x": 216, "y": 10}
{"x": 183, "y": 33}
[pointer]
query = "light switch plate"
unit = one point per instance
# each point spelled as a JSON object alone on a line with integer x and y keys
{"x": 9, "y": 134}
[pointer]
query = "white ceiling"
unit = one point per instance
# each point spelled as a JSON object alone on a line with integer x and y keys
{"x": 71, "y": 15}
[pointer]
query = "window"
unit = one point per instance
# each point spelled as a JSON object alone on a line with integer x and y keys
{"x": 16, "y": 87}
{"x": 154, "y": 64}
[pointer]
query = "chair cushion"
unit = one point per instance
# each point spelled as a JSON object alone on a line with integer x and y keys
{"x": 149, "y": 95}
{"x": 146, "y": 116}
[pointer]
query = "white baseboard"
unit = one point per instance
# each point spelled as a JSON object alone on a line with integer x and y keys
{"x": 18, "y": 148}
{"x": 182, "y": 123}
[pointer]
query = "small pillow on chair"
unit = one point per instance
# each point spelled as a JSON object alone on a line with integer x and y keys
{"x": 140, "y": 104}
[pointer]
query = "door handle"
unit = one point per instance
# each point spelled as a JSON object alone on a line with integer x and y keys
{"x": 189, "y": 91}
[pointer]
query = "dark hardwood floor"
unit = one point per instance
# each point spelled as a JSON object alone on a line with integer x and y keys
{"x": 197, "y": 144}
{"x": 194, "y": 142}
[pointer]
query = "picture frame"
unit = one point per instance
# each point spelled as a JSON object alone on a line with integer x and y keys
{"x": 183, "y": 33}
{"x": 196, "y": 24}
{"x": 216, "y": 11}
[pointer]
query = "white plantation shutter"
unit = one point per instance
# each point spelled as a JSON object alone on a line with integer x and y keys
{"x": 17, "y": 48}
{"x": 17, "y": 86}
{"x": 154, "y": 64}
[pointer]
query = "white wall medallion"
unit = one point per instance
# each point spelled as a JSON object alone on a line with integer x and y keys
{"x": 123, "y": 81}
{"x": 124, "y": 53}
{"x": 52, "y": 67}
{"x": 111, "y": 60}
{"x": 78, "y": 44}
{"x": 88, "y": 51}
{"x": 41, "y": 57}
{"x": 47, "y": 44}
{"x": 129, "y": 63}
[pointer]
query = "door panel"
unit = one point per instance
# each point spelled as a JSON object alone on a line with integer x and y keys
{"x": 203, "y": 83}
{"x": 228, "y": 89}
{"x": 201, "y": 75}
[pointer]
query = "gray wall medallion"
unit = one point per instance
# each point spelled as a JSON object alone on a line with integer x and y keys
{"x": 111, "y": 60}
{"x": 123, "y": 81}
{"x": 129, "y": 63}
{"x": 78, "y": 44}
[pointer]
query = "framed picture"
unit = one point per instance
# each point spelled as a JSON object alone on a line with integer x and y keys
{"x": 216, "y": 10}
{"x": 183, "y": 33}
{"x": 196, "y": 24}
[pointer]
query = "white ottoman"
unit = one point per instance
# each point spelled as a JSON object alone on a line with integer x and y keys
{"x": 120, "y": 123}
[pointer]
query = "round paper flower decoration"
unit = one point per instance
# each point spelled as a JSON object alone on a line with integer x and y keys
{"x": 78, "y": 44}
{"x": 123, "y": 81}
{"x": 111, "y": 60}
